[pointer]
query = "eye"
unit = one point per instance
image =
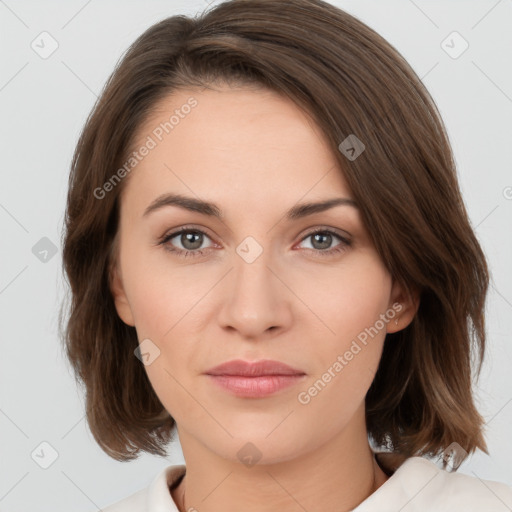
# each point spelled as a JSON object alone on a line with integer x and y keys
{"x": 190, "y": 239}
{"x": 322, "y": 240}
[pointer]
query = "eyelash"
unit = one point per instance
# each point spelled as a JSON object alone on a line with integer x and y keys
{"x": 186, "y": 253}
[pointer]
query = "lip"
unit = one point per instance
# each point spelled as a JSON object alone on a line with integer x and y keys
{"x": 254, "y": 380}
{"x": 264, "y": 367}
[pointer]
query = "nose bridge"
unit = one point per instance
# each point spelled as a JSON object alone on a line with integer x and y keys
{"x": 252, "y": 276}
{"x": 256, "y": 299}
{"x": 252, "y": 264}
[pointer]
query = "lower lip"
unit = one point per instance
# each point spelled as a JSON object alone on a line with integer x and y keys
{"x": 255, "y": 387}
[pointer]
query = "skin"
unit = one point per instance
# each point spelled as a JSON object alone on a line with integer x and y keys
{"x": 255, "y": 154}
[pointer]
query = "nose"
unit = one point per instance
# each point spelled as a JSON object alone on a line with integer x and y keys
{"x": 256, "y": 302}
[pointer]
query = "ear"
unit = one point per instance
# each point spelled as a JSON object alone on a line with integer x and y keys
{"x": 118, "y": 293}
{"x": 405, "y": 306}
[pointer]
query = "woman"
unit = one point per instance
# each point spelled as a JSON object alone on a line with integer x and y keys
{"x": 269, "y": 255}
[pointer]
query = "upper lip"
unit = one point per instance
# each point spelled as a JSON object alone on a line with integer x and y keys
{"x": 253, "y": 369}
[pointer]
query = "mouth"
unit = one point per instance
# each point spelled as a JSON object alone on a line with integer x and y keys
{"x": 263, "y": 368}
{"x": 254, "y": 380}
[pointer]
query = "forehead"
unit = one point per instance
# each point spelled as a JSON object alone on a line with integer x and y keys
{"x": 240, "y": 146}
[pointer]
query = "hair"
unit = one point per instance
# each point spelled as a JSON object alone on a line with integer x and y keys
{"x": 350, "y": 81}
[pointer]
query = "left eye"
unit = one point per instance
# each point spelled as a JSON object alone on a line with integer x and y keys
{"x": 191, "y": 240}
{"x": 324, "y": 239}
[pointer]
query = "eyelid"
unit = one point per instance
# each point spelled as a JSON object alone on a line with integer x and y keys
{"x": 344, "y": 235}
{"x": 186, "y": 227}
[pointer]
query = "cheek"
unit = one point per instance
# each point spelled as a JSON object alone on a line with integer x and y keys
{"x": 350, "y": 298}
{"x": 160, "y": 291}
{"x": 352, "y": 346}
{"x": 165, "y": 299}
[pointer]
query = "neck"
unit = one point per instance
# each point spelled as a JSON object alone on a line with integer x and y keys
{"x": 317, "y": 479}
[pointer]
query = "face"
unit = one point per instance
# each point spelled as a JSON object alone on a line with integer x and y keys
{"x": 253, "y": 282}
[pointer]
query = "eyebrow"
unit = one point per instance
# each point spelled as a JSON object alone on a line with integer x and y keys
{"x": 211, "y": 209}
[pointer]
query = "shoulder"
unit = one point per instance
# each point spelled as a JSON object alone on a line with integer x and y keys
{"x": 419, "y": 485}
{"x": 154, "y": 497}
{"x": 136, "y": 502}
{"x": 456, "y": 491}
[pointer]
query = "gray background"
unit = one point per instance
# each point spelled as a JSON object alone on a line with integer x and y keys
{"x": 44, "y": 103}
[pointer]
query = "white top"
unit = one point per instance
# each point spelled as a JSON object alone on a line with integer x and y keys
{"x": 418, "y": 485}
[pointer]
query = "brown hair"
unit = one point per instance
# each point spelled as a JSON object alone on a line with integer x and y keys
{"x": 351, "y": 81}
